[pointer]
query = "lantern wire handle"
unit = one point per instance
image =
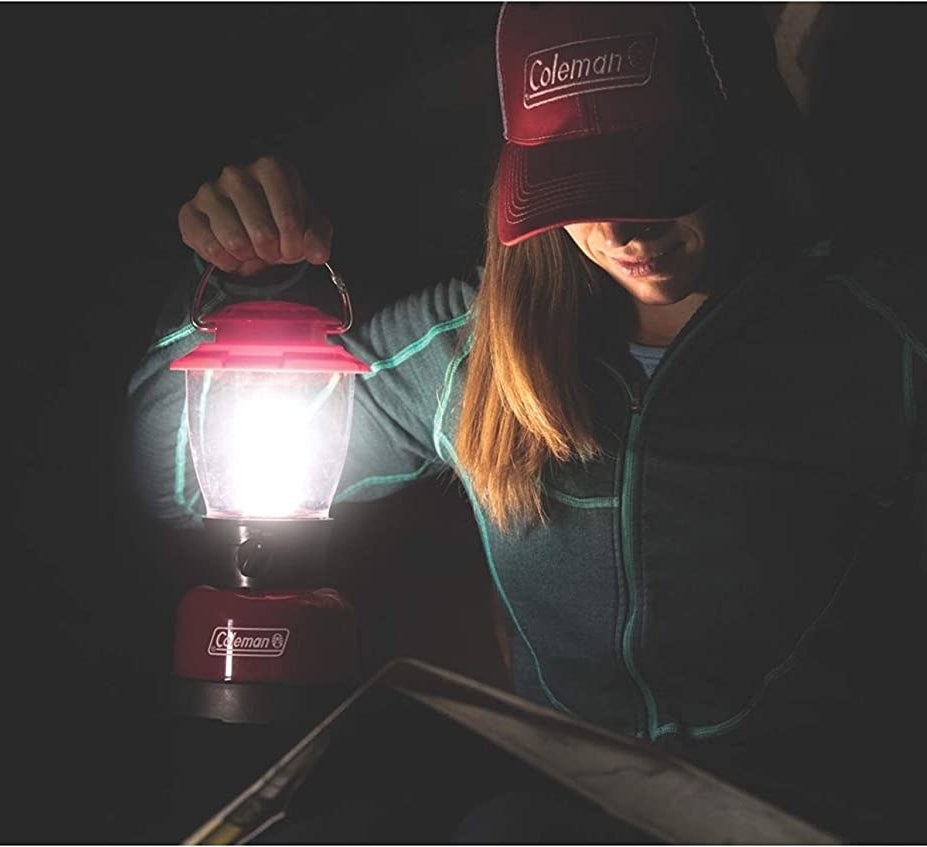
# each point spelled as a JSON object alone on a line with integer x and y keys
{"x": 347, "y": 310}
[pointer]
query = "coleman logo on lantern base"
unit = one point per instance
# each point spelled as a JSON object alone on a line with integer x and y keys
{"x": 248, "y": 641}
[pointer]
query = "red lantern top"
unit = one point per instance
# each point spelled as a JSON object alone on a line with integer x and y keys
{"x": 272, "y": 335}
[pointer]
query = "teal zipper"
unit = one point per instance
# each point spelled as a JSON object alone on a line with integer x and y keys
{"x": 627, "y": 528}
{"x": 628, "y": 543}
{"x": 626, "y": 537}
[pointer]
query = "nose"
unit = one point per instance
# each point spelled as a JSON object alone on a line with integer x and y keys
{"x": 619, "y": 233}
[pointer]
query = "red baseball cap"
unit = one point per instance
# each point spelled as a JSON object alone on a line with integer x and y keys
{"x": 611, "y": 111}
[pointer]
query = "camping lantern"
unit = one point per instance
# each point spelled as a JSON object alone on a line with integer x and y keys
{"x": 269, "y": 408}
{"x": 268, "y": 415}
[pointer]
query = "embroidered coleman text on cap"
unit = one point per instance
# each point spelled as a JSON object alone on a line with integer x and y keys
{"x": 610, "y": 111}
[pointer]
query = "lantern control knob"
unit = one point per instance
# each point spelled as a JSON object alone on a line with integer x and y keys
{"x": 254, "y": 558}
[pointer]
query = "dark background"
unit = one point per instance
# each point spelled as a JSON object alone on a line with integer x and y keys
{"x": 119, "y": 113}
{"x": 113, "y": 115}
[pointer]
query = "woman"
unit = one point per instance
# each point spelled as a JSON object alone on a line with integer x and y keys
{"x": 691, "y": 435}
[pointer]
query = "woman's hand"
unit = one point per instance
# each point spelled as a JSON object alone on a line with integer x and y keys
{"x": 254, "y": 216}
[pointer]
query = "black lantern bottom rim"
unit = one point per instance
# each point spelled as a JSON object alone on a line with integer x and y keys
{"x": 254, "y": 702}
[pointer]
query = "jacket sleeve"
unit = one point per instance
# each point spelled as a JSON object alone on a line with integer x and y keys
{"x": 409, "y": 346}
{"x": 416, "y": 350}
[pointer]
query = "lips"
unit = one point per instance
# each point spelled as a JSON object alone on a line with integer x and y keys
{"x": 630, "y": 261}
{"x": 643, "y": 265}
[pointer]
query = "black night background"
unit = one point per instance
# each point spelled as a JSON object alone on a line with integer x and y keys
{"x": 118, "y": 113}
{"x": 113, "y": 114}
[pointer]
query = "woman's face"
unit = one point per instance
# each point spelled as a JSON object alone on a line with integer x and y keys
{"x": 657, "y": 262}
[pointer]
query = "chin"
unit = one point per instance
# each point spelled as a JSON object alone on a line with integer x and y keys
{"x": 659, "y": 292}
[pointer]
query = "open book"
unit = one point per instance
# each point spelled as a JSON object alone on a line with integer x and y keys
{"x": 401, "y": 759}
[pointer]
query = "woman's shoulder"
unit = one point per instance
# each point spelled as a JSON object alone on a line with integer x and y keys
{"x": 889, "y": 282}
{"x": 435, "y": 308}
{"x": 450, "y": 298}
{"x": 426, "y": 328}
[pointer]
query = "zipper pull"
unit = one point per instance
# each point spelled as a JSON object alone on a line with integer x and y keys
{"x": 631, "y": 389}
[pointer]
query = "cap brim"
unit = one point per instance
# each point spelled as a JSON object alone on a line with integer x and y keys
{"x": 659, "y": 173}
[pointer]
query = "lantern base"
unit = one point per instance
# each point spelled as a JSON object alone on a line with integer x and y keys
{"x": 254, "y": 702}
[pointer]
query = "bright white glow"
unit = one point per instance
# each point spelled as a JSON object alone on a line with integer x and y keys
{"x": 271, "y": 453}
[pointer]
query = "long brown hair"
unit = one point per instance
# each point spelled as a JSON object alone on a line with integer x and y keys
{"x": 524, "y": 401}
